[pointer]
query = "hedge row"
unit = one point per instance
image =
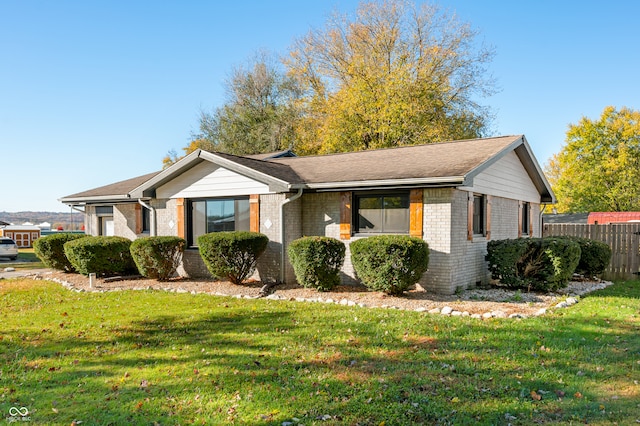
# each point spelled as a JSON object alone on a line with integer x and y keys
{"x": 153, "y": 257}
{"x": 545, "y": 264}
{"x": 388, "y": 263}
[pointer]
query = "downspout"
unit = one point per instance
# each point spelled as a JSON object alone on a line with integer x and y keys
{"x": 84, "y": 215}
{"x": 282, "y": 233}
{"x": 152, "y": 218}
{"x": 540, "y": 220}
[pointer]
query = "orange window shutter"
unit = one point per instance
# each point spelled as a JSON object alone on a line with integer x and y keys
{"x": 138, "y": 219}
{"x": 254, "y": 213}
{"x": 345, "y": 215}
{"x": 180, "y": 216}
{"x": 489, "y": 202}
{"x": 415, "y": 212}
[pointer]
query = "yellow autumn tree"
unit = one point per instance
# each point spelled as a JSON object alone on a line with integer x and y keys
{"x": 197, "y": 143}
{"x": 598, "y": 168}
{"x": 394, "y": 75}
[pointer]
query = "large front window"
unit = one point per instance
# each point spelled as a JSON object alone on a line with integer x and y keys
{"x": 382, "y": 213}
{"x": 216, "y": 215}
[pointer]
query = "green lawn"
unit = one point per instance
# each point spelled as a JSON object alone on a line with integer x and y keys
{"x": 143, "y": 357}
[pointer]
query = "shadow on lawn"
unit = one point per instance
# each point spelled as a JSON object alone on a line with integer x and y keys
{"x": 402, "y": 368}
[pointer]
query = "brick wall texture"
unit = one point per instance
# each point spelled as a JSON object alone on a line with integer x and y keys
{"x": 454, "y": 261}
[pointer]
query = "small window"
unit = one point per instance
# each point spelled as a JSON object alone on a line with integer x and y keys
{"x": 146, "y": 221}
{"x": 382, "y": 213}
{"x": 479, "y": 224}
{"x": 104, "y": 210}
{"x": 525, "y": 219}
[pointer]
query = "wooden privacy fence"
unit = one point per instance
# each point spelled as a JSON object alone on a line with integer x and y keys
{"x": 623, "y": 238}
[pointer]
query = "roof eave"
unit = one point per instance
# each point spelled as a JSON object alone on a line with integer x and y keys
{"x": 96, "y": 199}
{"x": 378, "y": 183}
{"x": 531, "y": 165}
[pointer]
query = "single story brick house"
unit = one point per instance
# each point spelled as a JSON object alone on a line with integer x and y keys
{"x": 455, "y": 195}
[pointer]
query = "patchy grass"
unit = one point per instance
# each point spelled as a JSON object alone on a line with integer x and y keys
{"x": 143, "y": 357}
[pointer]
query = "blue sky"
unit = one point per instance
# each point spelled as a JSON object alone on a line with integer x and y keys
{"x": 96, "y": 92}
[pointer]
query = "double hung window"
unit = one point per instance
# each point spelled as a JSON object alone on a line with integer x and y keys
{"x": 525, "y": 218}
{"x": 479, "y": 222}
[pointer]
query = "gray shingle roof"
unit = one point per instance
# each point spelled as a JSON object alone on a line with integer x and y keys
{"x": 440, "y": 160}
{"x": 448, "y": 162}
{"x": 113, "y": 190}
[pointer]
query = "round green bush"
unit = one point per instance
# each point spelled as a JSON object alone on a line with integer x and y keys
{"x": 104, "y": 256}
{"x": 50, "y": 250}
{"x": 594, "y": 258}
{"x": 317, "y": 261}
{"x": 390, "y": 263}
{"x": 507, "y": 260}
{"x": 541, "y": 264}
{"x": 233, "y": 254}
{"x": 158, "y": 257}
{"x": 563, "y": 256}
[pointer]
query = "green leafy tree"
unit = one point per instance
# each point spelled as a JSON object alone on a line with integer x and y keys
{"x": 258, "y": 116}
{"x": 394, "y": 75}
{"x": 598, "y": 169}
{"x": 259, "y": 113}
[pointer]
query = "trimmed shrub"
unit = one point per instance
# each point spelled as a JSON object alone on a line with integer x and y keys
{"x": 232, "y": 254}
{"x": 158, "y": 257}
{"x": 104, "y": 256}
{"x": 532, "y": 263}
{"x": 564, "y": 256}
{"x": 389, "y": 263}
{"x": 50, "y": 250}
{"x": 506, "y": 259}
{"x": 317, "y": 261}
{"x": 595, "y": 256}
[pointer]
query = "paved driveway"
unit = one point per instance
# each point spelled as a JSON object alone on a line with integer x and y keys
{"x": 8, "y": 264}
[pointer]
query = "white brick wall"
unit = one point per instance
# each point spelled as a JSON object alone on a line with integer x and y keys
{"x": 124, "y": 220}
{"x": 269, "y": 263}
{"x": 437, "y": 216}
{"x": 453, "y": 261}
